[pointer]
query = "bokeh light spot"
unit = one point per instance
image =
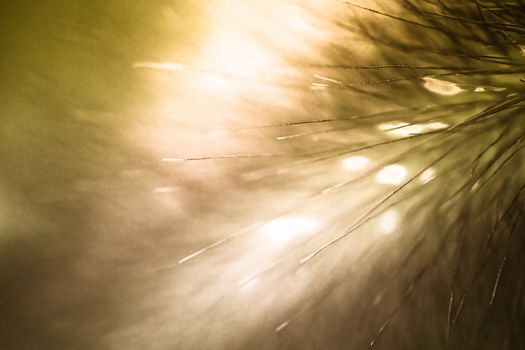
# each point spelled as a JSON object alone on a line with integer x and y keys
{"x": 441, "y": 87}
{"x": 388, "y": 222}
{"x": 392, "y": 174}
{"x": 355, "y": 163}
{"x": 283, "y": 230}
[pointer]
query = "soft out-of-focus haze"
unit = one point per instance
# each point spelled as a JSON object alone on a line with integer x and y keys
{"x": 286, "y": 174}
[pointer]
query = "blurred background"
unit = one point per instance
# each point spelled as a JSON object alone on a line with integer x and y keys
{"x": 290, "y": 174}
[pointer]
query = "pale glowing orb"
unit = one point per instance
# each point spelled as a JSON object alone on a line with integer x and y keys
{"x": 441, "y": 87}
{"x": 284, "y": 230}
{"x": 239, "y": 52}
{"x": 427, "y": 175}
{"x": 479, "y": 89}
{"x": 355, "y": 163}
{"x": 388, "y": 222}
{"x": 392, "y": 174}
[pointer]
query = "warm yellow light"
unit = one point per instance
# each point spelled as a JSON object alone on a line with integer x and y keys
{"x": 441, "y": 87}
{"x": 355, "y": 163}
{"x": 408, "y": 130}
{"x": 388, "y": 222}
{"x": 170, "y": 159}
{"x": 217, "y": 82}
{"x": 404, "y": 129}
{"x": 392, "y": 175}
{"x": 159, "y": 65}
{"x": 391, "y": 125}
{"x": 237, "y": 53}
{"x": 164, "y": 190}
{"x": 284, "y": 230}
{"x": 427, "y": 175}
{"x": 435, "y": 126}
